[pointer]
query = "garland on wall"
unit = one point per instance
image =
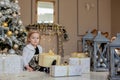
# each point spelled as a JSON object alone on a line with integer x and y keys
{"x": 49, "y": 28}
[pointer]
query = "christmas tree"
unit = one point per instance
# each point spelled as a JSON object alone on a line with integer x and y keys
{"x": 12, "y": 32}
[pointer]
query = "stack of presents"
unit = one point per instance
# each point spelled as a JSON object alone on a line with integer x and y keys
{"x": 77, "y": 64}
{"x": 10, "y": 63}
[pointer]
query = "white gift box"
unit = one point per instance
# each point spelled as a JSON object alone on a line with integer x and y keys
{"x": 75, "y": 70}
{"x": 11, "y": 64}
{"x": 1, "y": 60}
{"x": 84, "y": 62}
{"x": 74, "y": 61}
{"x": 45, "y": 59}
{"x": 58, "y": 71}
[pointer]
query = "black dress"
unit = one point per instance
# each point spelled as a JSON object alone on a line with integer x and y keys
{"x": 34, "y": 63}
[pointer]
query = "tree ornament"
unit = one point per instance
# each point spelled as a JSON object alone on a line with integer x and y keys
{"x": 9, "y": 33}
{"x": 16, "y": 32}
{"x": 20, "y": 22}
{"x": 5, "y": 24}
{"x": 19, "y": 13}
{"x": 11, "y": 51}
{"x": 9, "y": 11}
{"x": 5, "y": 35}
{"x": 15, "y": 46}
{"x": 14, "y": 14}
{"x": 16, "y": 1}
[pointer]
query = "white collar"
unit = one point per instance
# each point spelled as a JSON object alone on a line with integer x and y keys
{"x": 30, "y": 46}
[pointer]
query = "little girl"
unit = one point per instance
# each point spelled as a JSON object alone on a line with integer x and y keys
{"x": 31, "y": 51}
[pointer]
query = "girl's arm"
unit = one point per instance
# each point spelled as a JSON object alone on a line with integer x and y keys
{"x": 25, "y": 60}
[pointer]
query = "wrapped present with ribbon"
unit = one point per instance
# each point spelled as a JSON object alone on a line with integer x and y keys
{"x": 65, "y": 70}
{"x": 84, "y": 62}
{"x": 79, "y": 55}
{"x": 85, "y": 65}
{"x": 47, "y": 59}
{"x": 11, "y": 64}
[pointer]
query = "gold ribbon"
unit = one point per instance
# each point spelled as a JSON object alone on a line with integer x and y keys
{"x": 67, "y": 70}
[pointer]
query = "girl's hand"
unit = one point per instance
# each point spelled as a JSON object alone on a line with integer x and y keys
{"x": 29, "y": 68}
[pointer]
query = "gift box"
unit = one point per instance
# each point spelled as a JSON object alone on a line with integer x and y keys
{"x": 46, "y": 59}
{"x": 58, "y": 71}
{"x": 1, "y": 66}
{"x": 74, "y": 61}
{"x": 75, "y": 70}
{"x": 11, "y": 64}
{"x": 84, "y": 62}
{"x": 68, "y": 70}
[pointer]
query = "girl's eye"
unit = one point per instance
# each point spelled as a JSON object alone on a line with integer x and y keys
{"x": 35, "y": 38}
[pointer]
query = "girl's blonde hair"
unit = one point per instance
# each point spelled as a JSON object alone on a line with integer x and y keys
{"x": 30, "y": 33}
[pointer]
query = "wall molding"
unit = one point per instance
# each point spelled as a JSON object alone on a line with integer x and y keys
{"x": 87, "y": 16}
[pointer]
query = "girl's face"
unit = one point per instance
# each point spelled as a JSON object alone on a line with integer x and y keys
{"x": 34, "y": 39}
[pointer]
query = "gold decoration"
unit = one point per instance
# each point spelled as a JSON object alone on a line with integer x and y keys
{"x": 78, "y": 55}
{"x": 9, "y": 33}
{"x": 74, "y": 54}
{"x": 51, "y": 52}
{"x": 15, "y": 46}
{"x": 81, "y": 55}
{"x": 5, "y": 24}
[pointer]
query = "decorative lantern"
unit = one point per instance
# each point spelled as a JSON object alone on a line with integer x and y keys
{"x": 114, "y": 58}
{"x": 87, "y": 41}
{"x": 100, "y": 56}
